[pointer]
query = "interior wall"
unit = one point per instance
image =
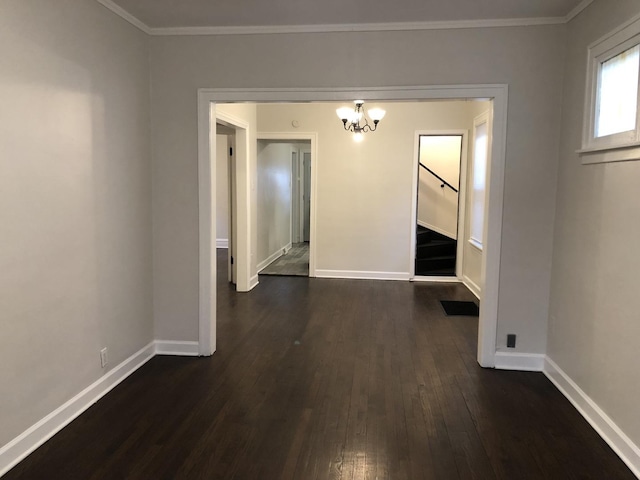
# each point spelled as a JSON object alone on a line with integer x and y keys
{"x": 365, "y": 197}
{"x": 274, "y": 200}
{"x": 528, "y": 59}
{"x": 222, "y": 188}
{"x": 175, "y": 208}
{"x": 75, "y": 202}
{"x": 593, "y": 320}
{"x": 437, "y": 205}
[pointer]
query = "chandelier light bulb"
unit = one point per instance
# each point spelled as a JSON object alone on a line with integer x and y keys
{"x": 355, "y": 119}
{"x": 376, "y": 114}
{"x": 345, "y": 113}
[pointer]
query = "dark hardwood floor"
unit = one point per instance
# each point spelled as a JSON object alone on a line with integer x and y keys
{"x": 330, "y": 379}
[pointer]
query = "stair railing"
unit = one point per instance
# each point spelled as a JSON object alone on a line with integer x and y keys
{"x": 444, "y": 182}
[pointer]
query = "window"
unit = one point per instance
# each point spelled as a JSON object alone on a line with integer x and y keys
{"x": 612, "y": 126}
{"x": 478, "y": 179}
{"x": 618, "y": 94}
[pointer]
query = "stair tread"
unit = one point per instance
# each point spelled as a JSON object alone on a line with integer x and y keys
{"x": 437, "y": 242}
{"x": 439, "y": 257}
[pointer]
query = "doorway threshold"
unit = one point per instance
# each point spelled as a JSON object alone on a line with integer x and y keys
{"x": 436, "y": 279}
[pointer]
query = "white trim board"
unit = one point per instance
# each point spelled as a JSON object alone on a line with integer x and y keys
{"x": 577, "y": 10}
{"x": 346, "y": 27}
{"x": 20, "y": 447}
{"x": 222, "y": 243}
{"x": 523, "y": 362}
{"x": 619, "y": 442}
{"x": 362, "y": 275}
{"x": 178, "y": 348}
{"x": 434, "y": 279}
{"x": 472, "y": 286}
{"x": 207, "y": 99}
{"x": 121, "y": 12}
{"x": 358, "y": 27}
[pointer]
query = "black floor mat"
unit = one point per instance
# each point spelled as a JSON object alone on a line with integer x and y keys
{"x": 467, "y": 309}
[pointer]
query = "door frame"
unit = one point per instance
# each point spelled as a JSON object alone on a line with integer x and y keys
{"x": 461, "y": 198}
{"x": 207, "y": 99}
{"x": 311, "y": 137}
{"x": 207, "y": 118}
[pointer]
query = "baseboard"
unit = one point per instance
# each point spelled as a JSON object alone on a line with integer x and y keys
{"x": 600, "y": 421}
{"x": 253, "y": 282}
{"x": 351, "y": 274}
{"x": 25, "y": 443}
{"x": 184, "y": 349}
{"x": 473, "y": 286}
{"x": 450, "y": 235}
{"x": 436, "y": 279}
{"x": 524, "y": 362}
{"x": 272, "y": 258}
{"x": 222, "y": 243}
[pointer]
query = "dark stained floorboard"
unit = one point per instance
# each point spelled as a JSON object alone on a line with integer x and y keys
{"x": 330, "y": 379}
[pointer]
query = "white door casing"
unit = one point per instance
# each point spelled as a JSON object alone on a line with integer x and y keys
{"x": 207, "y": 98}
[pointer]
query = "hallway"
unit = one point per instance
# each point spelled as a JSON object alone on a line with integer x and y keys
{"x": 294, "y": 263}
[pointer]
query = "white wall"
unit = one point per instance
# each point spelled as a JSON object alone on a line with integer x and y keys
{"x": 365, "y": 190}
{"x": 274, "y": 200}
{"x": 594, "y": 326}
{"x": 528, "y": 59}
{"x": 175, "y": 205}
{"x": 222, "y": 188}
{"x": 438, "y": 206}
{"x": 75, "y": 202}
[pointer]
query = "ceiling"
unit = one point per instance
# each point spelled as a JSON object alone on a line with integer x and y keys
{"x": 243, "y": 13}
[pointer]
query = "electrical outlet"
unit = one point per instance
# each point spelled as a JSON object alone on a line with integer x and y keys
{"x": 511, "y": 340}
{"x": 103, "y": 357}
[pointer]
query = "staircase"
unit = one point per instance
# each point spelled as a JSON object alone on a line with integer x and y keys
{"x": 435, "y": 254}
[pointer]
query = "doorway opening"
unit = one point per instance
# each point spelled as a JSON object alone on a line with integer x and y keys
{"x": 284, "y": 170}
{"x": 440, "y": 159}
{"x": 226, "y": 205}
{"x": 490, "y": 265}
{"x": 452, "y": 210}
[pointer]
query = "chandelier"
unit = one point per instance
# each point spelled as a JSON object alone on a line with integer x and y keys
{"x": 352, "y": 119}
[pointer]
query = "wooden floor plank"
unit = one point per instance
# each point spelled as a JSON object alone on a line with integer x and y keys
{"x": 330, "y": 379}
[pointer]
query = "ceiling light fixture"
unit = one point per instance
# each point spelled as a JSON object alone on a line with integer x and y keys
{"x": 352, "y": 118}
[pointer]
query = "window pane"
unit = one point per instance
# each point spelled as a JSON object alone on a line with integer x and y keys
{"x": 618, "y": 93}
{"x": 479, "y": 182}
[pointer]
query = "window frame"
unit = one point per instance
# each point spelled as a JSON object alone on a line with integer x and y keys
{"x": 618, "y": 146}
{"x": 483, "y": 118}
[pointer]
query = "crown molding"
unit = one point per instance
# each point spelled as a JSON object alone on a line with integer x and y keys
{"x": 121, "y": 12}
{"x": 350, "y": 27}
{"x": 577, "y": 10}
{"x": 357, "y": 27}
